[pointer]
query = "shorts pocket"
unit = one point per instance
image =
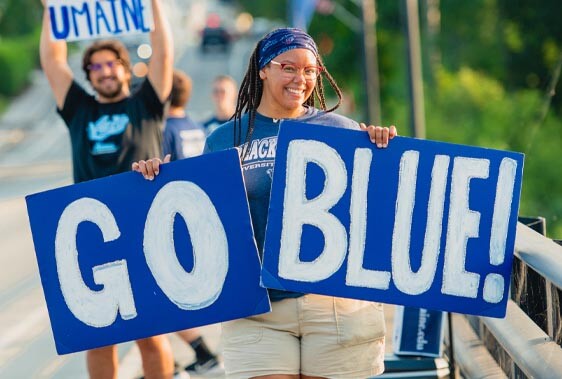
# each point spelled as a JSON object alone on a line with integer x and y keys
{"x": 358, "y": 321}
{"x": 241, "y": 332}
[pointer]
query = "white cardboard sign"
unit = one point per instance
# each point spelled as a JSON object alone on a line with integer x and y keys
{"x": 73, "y": 20}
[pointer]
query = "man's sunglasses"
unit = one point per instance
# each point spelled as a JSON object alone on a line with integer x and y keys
{"x": 99, "y": 66}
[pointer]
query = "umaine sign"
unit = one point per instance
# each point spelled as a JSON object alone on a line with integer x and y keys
{"x": 86, "y": 19}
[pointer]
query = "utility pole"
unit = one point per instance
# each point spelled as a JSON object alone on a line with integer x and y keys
{"x": 371, "y": 68}
{"x": 415, "y": 79}
{"x": 366, "y": 26}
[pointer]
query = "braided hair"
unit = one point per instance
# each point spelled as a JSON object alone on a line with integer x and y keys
{"x": 251, "y": 90}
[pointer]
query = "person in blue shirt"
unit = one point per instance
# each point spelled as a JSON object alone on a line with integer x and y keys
{"x": 223, "y": 94}
{"x": 183, "y": 137}
{"x": 305, "y": 336}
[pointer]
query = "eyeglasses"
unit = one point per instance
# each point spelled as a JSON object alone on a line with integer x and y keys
{"x": 99, "y": 66}
{"x": 290, "y": 70}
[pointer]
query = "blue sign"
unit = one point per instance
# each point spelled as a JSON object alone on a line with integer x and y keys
{"x": 418, "y": 331}
{"x": 123, "y": 258}
{"x": 420, "y": 223}
{"x": 73, "y": 20}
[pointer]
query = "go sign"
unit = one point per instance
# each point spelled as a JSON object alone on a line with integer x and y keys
{"x": 122, "y": 258}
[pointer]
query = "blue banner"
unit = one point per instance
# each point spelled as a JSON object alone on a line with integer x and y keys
{"x": 418, "y": 332}
{"x": 421, "y": 223}
{"x": 123, "y": 258}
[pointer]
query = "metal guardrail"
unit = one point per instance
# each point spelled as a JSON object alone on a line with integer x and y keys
{"x": 541, "y": 253}
{"x": 534, "y": 351}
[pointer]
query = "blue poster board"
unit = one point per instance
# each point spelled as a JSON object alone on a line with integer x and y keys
{"x": 421, "y": 223}
{"x": 123, "y": 258}
{"x": 418, "y": 331}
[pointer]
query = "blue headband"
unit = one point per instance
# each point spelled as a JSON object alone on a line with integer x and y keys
{"x": 281, "y": 40}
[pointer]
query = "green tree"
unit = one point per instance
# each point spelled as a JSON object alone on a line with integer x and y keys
{"x": 19, "y": 27}
{"x": 19, "y": 17}
{"x": 273, "y": 10}
{"x": 533, "y": 39}
{"x": 495, "y": 61}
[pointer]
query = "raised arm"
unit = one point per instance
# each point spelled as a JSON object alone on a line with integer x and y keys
{"x": 54, "y": 61}
{"x": 160, "y": 67}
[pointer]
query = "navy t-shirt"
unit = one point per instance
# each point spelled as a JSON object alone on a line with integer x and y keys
{"x": 211, "y": 124}
{"x": 183, "y": 138}
{"x": 257, "y": 167}
{"x": 106, "y": 138}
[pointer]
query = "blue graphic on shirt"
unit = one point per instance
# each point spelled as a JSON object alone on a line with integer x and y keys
{"x": 105, "y": 127}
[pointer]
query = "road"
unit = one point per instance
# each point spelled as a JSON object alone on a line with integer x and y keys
{"x": 34, "y": 156}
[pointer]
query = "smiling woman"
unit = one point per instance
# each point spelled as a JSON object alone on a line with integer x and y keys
{"x": 284, "y": 81}
{"x": 305, "y": 336}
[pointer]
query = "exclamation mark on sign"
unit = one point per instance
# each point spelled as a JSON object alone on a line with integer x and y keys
{"x": 494, "y": 285}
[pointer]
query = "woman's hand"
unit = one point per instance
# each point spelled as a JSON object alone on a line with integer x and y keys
{"x": 379, "y": 135}
{"x": 151, "y": 167}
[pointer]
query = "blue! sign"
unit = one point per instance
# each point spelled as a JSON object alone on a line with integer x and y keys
{"x": 122, "y": 258}
{"x": 420, "y": 223}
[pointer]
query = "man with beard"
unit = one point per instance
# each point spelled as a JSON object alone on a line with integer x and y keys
{"x": 110, "y": 131}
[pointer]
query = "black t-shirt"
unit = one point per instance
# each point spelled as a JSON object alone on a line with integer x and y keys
{"x": 107, "y": 138}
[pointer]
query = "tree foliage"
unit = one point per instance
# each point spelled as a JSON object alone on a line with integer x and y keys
{"x": 19, "y": 41}
{"x": 19, "y": 17}
{"x": 269, "y": 9}
{"x": 487, "y": 70}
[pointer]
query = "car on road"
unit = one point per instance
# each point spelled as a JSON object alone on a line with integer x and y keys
{"x": 215, "y": 38}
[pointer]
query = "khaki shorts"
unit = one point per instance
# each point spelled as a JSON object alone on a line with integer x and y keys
{"x": 312, "y": 335}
